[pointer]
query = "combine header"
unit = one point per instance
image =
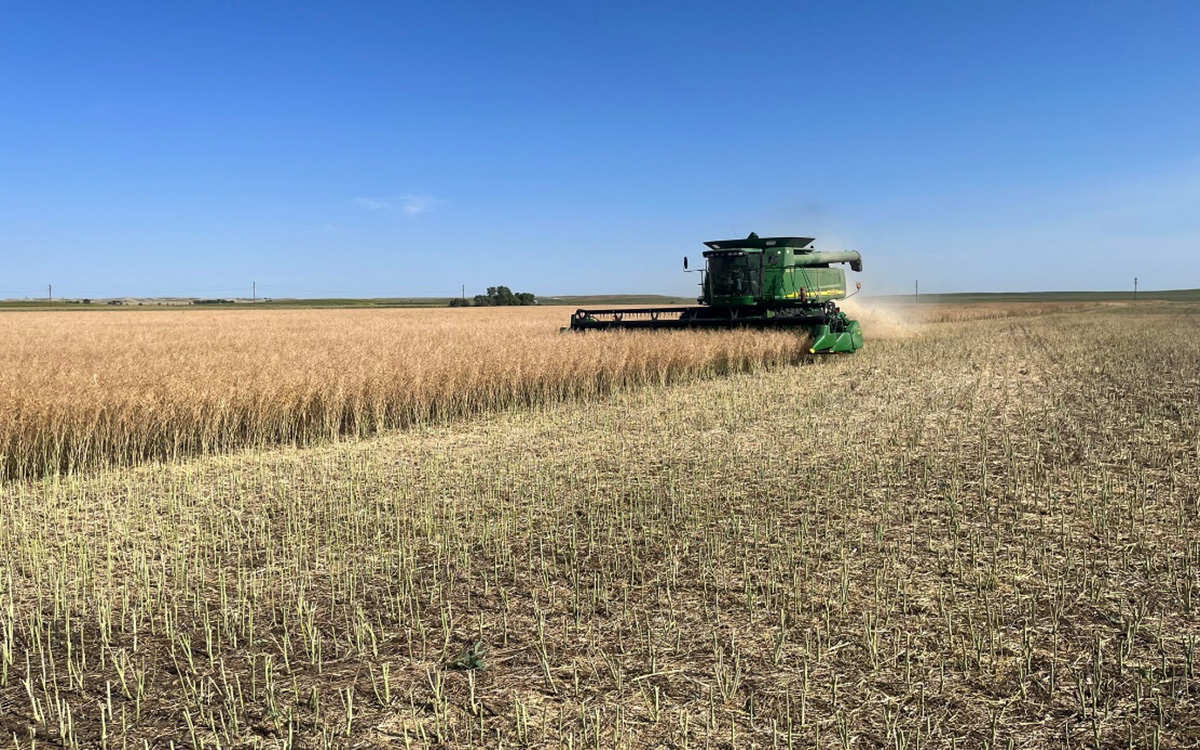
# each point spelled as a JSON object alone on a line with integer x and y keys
{"x": 758, "y": 282}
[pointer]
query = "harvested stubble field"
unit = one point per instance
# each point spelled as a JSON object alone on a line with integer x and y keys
{"x": 972, "y": 534}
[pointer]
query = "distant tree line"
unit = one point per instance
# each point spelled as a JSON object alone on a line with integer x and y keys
{"x": 497, "y": 296}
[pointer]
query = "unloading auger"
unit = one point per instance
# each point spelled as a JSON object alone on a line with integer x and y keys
{"x": 757, "y": 282}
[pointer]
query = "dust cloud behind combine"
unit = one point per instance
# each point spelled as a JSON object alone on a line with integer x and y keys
{"x": 880, "y": 319}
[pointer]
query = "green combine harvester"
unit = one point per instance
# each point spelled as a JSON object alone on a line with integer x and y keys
{"x": 758, "y": 282}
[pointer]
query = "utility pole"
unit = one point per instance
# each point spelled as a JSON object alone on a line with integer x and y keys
{"x": 464, "y": 292}
{"x": 49, "y": 292}
{"x": 254, "y": 291}
{"x": 917, "y": 291}
{"x": 1135, "y": 288}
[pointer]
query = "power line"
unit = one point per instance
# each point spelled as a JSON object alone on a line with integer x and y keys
{"x": 229, "y": 291}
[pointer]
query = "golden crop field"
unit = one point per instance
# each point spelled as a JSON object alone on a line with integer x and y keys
{"x": 982, "y": 530}
{"x": 82, "y": 390}
{"x": 79, "y": 390}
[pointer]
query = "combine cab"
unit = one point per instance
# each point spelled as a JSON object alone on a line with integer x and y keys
{"x": 758, "y": 282}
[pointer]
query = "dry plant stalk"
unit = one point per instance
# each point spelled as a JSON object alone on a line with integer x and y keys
{"x": 984, "y": 536}
{"x": 81, "y": 390}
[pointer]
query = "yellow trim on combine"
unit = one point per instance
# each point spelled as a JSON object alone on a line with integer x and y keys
{"x": 817, "y": 293}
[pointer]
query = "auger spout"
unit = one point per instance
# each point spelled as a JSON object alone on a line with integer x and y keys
{"x": 824, "y": 259}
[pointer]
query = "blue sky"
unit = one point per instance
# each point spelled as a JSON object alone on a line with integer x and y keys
{"x": 393, "y": 149}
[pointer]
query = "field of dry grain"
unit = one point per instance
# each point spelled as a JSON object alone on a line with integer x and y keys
{"x": 980, "y": 532}
{"x": 80, "y": 390}
{"x": 85, "y": 389}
